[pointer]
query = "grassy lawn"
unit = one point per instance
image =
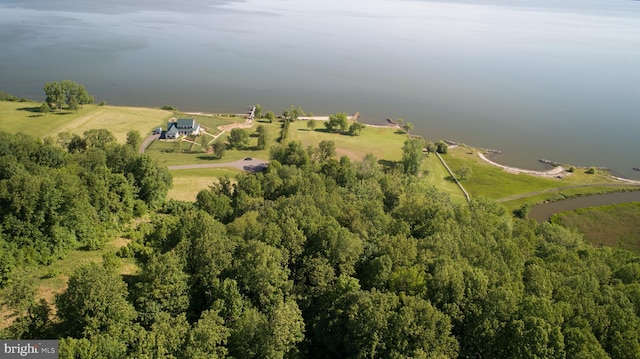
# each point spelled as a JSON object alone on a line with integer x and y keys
{"x": 24, "y": 117}
{"x": 210, "y": 123}
{"x": 187, "y": 183}
{"x": 613, "y": 226}
{"x": 384, "y": 143}
{"x": 166, "y": 153}
{"x": 492, "y": 182}
{"x": 439, "y": 177}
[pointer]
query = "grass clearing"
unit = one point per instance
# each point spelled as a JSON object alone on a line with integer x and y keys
{"x": 25, "y": 117}
{"x": 384, "y": 142}
{"x": 53, "y": 278}
{"x": 612, "y": 226}
{"x": 187, "y": 183}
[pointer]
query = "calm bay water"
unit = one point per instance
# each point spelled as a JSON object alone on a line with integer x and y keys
{"x": 536, "y": 79}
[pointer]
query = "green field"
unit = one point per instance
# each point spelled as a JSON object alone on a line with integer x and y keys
{"x": 187, "y": 183}
{"x": 25, "y": 117}
{"x": 384, "y": 142}
{"x": 168, "y": 154}
{"x": 437, "y": 175}
{"x": 613, "y": 226}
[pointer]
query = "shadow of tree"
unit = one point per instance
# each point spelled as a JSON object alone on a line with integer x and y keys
{"x": 208, "y": 157}
{"x": 450, "y": 179}
{"x": 29, "y": 109}
{"x": 388, "y": 165}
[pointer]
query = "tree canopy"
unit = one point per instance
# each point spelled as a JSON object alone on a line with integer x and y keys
{"x": 315, "y": 257}
{"x": 66, "y": 93}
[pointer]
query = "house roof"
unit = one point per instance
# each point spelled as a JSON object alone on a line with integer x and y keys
{"x": 172, "y": 130}
{"x": 187, "y": 123}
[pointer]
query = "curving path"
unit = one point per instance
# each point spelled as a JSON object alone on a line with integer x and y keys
{"x": 147, "y": 141}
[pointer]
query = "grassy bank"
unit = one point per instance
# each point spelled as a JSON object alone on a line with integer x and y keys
{"x": 515, "y": 190}
{"x": 613, "y": 226}
{"x": 559, "y": 194}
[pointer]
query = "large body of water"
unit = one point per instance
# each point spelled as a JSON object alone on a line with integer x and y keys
{"x": 555, "y": 79}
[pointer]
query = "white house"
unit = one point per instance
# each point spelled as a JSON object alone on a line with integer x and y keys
{"x": 182, "y": 127}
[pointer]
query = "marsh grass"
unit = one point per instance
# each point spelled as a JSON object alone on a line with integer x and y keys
{"x": 612, "y": 226}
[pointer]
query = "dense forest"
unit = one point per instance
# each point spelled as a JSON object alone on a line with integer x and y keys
{"x": 317, "y": 257}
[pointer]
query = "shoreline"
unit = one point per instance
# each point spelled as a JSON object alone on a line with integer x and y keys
{"x": 557, "y": 171}
{"x": 554, "y": 172}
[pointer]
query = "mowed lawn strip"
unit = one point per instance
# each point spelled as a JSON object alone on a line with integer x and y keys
{"x": 438, "y": 176}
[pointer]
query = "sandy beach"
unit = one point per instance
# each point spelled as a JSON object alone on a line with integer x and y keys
{"x": 550, "y": 173}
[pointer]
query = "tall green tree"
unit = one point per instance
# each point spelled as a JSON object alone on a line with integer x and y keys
{"x": 162, "y": 287}
{"x": 95, "y": 302}
{"x": 356, "y": 128}
{"x": 412, "y": 155}
{"x": 208, "y": 338}
{"x": 134, "y": 139}
{"x": 219, "y": 148}
{"x": 55, "y": 95}
{"x": 238, "y": 138}
{"x": 326, "y": 150}
{"x": 337, "y": 121}
{"x": 258, "y": 111}
{"x": 263, "y": 134}
{"x": 293, "y": 113}
{"x": 311, "y": 124}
